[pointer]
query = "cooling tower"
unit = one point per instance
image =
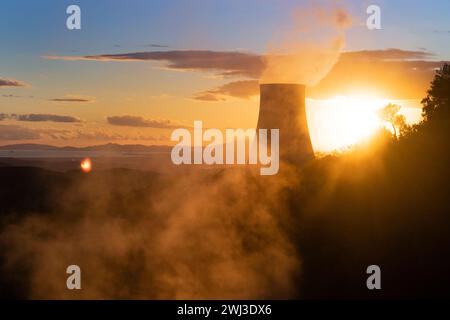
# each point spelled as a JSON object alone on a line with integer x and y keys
{"x": 282, "y": 106}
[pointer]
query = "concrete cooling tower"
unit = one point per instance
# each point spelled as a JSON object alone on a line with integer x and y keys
{"x": 282, "y": 106}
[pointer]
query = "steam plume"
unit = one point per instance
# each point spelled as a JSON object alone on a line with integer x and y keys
{"x": 306, "y": 52}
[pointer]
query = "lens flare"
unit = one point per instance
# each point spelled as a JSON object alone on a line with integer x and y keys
{"x": 86, "y": 165}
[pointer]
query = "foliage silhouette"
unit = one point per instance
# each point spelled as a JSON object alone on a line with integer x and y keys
{"x": 436, "y": 105}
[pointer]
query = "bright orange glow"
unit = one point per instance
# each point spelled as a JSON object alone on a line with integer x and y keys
{"x": 86, "y": 165}
{"x": 343, "y": 121}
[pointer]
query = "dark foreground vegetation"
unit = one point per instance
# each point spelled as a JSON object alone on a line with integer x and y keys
{"x": 388, "y": 205}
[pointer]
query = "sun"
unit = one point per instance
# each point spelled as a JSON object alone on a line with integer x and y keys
{"x": 343, "y": 121}
{"x": 358, "y": 116}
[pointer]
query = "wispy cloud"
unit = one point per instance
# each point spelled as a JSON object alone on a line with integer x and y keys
{"x": 243, "y": 89}
{"x": 393, "y": 73}
{"x": 39, "y": 117}
{"x": 99, "y": 135}
{"x": 441, "y": 31}
{"x": 389, "y": 54}
{"x": 137, "y": 121}
{"x": 209, "y": 97}
{"x": 226, "y": 63}
{"x": 17, "y": 132}
{"x": 11, "y": 83}
{"x": 409, "y": 72}
{"x": 14, "y": 132}
{"x": 14, "y": 96}
{"x": 74, "y": 99}
{"x": 156, "y": 45}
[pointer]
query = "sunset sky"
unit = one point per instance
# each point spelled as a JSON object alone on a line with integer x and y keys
{"x": 138, "y": 69}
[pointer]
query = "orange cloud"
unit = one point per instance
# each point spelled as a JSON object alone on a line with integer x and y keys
{"x": 394, "y": 73}
{"x": 227, "y": 63}
{"x": 11, "y": 83}
{"x": 391, "y": 73}
{"x": 244, "y": 89}
{"x": 39, "y": 117}
{"x": 73, "y": 99}
{"x": 137, "y": 121}
{"x": 13, "y": 132}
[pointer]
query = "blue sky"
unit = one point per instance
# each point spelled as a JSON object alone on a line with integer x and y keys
{"x": 37, "y": 27}
{"x": 30, "y": 30}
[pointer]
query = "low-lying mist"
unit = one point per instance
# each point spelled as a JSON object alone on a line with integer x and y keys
{"x": 197, "y": 235}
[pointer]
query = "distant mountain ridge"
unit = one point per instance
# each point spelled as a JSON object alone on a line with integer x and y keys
{"x": 109, "y": 147}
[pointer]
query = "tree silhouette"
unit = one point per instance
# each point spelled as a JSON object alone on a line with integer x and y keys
{"x": 398, "y": 122}
{"x": 437, "y": 103}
